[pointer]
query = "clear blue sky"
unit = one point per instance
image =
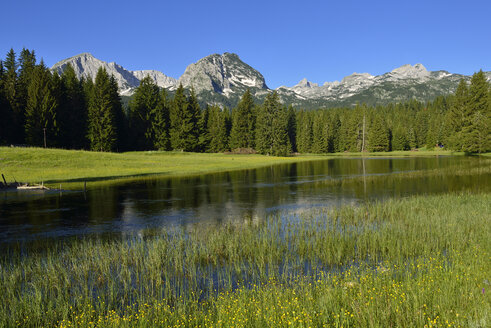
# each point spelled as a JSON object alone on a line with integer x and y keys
{"x": 285, "y": 40}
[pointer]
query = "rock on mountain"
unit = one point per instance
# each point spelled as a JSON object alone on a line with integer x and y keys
{"x": 86, "y": 65}
{"x": 222, "y": 79}
{"x": 401, "y": 84}
{"x": 160, "y": 78}
{"x": 224, "y": 74}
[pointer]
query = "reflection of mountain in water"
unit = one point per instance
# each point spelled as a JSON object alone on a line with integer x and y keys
{"x": 239, "y": 195}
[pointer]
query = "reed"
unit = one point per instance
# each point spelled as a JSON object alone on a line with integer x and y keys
{"x": 420, "y": 261}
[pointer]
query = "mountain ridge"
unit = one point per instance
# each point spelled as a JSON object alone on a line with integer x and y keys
{"x": 222, "y": 79}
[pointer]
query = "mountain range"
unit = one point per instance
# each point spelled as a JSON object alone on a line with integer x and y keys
{"x": 222, "y": 79}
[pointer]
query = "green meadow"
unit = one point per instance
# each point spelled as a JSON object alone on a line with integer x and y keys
{"x": 423, "y": 261}
{"x": 73, "y": 167}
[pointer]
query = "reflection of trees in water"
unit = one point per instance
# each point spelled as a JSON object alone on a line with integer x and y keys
{"x": 242, "y": 195}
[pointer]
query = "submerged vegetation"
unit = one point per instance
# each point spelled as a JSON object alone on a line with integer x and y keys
{"x": 415, "y": 262}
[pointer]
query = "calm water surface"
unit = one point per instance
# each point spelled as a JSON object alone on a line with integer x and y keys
{"x": 162, "y": 203}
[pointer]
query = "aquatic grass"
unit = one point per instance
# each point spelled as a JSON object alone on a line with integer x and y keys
{"x": 411, "y": 262}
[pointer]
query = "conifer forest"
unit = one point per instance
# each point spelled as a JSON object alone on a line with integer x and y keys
{"x": 44, "y": 109}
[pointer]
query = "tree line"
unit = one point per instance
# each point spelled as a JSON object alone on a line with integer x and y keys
{"x": 42, "y": 108}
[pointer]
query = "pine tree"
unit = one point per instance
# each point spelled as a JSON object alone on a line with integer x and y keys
{"x": 378, "y": 139}
{"x": 456, "y": 116}
{"x": 184, "y": 121}
{"x": 160, "y": 123}
{"x": 320, "y": 128}
{"x": 101, "y": 121}
{"x": 334, "y": 141}
{"x": 217, "y": 130}
{"x": 304, "y": 132}
{"x": 142, "y": 111}
{"x": 399, "y": 139}
{"x": 120, "y": 118}
{"x": 292, "y": 128}
{"x": 41, "y": 121}
{"x": 72, "y": 111}
{"x": 27, "y": 62}
{"x": 476, "y": 126}
{"x": 204, "y": 136}
{"x": 243, "y": 123}
{"x": 272, "y": 128}
{"x": 5, "y": 111}
{"x": 10, "y": 90}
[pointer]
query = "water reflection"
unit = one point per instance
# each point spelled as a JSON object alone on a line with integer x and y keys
{"x": 214, "y": 198}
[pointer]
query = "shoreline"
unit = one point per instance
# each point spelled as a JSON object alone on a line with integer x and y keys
{"x": 72, "y": 168}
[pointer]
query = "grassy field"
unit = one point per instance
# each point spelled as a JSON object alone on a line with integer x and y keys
{"x": 416, "y": 262}
{"x": 71, "y": 167}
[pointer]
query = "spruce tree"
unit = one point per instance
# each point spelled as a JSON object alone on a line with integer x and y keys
{"x": 378, "y": 139}
{"x": 5, "y": 111}
{"x": 399, "y": 139}
{"x": 160, "y": 123}
{"x": 456, "y": 116}
{"x": 143, "y": 108}
{"x": 72, "y": 111}
{"x": 41, "y": 118}
{"x": 304, "y": 132}
{"x": 120, "y": 118}
{"x": 10, "y": 92}
{"x": 272, "y": 128}
{"x": 292, "y": 128}
{"x": 217, "y": 130}
{"x": 476, "y": 126}
{"x": 243, "y": 123}
{"x": 27, "y": 62}
{"x": 204, "y": 136}
{"x": 101, "y": 121}
{"x": 184, "y": 121}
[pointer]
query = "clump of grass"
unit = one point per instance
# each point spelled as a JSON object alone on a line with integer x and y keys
{"x": 411, "y": 262}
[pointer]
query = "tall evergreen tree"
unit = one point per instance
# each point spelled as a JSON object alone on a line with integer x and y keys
{"x": 10, "y": 92}
{"x": 142, "y": 111}
{"x": 272, "y": 128}
{"x": 120, "y": 118}
{"x": 72, "y": 111}
{"x": 5, "y": 111}
{"x": 243, "y": 123}
{"x": 399, "y": 138}
{"x": 378, "y": 138}
{"x": 41, "y": 122}
{"x": 304, "y": 135}
{"x": 27, "y": 62}
{"x": 292, "y": 128}
{"x": 217, "y": 130}
{"x": 204, "y": 136}
{"x": 101, "y": 121}
{"x": 456, "y": 116}
{"x": 184, "y": 121}
{"x": 160, "y": 123}
{"x": 476, "y": 127}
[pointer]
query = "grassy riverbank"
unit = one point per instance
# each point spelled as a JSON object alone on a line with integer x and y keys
{"x": 415, "y": 262}
{"x": 54, "y": 166}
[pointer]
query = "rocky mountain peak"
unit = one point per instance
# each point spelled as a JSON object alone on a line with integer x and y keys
{"x": 86, "y": 65}
{"x": 409, "y": 71}
{"x": 304, "y": 83}
{"x": 223, "y": 74}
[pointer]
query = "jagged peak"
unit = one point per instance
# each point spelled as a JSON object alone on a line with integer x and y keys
{"x": 408, "y": 69}
{"x": 304, "y": 83}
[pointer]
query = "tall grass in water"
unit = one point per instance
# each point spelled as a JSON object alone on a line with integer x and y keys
{"x": 412, "y": 262}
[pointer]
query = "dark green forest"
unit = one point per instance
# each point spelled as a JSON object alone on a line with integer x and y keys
{"x": 45, "y": 109}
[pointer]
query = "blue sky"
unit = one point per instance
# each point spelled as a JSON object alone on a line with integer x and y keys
{"x": 284, "y": 40}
